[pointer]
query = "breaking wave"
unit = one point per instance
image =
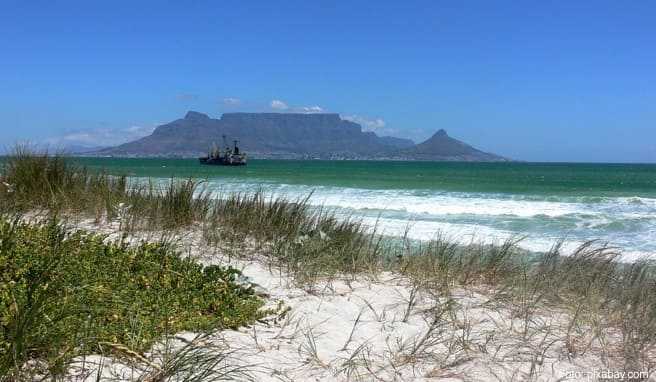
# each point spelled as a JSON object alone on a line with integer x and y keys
{"x": 625, "y": 222}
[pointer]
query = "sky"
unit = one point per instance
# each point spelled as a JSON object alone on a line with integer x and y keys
{"x": 532, "y": 80}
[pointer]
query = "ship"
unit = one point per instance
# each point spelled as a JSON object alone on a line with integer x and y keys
{"x": 230, "y": 156}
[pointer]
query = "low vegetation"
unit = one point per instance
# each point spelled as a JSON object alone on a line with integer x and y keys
{"x": 56, "y": 184}
{"x": 64, "y": 294}
{"x": 600, "y": 293}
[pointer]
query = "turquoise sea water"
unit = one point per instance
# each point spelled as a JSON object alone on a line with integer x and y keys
{"x": 615, "y": 203}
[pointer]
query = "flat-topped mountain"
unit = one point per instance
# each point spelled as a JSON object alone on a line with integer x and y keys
{"x": 287, "y": 135}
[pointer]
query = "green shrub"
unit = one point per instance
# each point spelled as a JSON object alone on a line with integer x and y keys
{"x": 64, "y": 294}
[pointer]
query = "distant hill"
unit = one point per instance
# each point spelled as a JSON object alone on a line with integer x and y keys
{"x": 442, "y": 147}
{"x": 287, "y": 135}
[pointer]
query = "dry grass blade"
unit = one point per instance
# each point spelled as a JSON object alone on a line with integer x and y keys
{"x": 204, "y": 359}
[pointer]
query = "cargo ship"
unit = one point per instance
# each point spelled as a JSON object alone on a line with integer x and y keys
{"x": 230, "y": 156}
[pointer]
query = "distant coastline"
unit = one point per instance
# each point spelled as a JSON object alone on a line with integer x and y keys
{"x": 290, "y": 136}
{"x": 285, "y": 156}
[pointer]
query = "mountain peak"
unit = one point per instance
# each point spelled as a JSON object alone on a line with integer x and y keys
{"x": 442, "y": 147}
{"x": 441, "y": 133}
{"x": 194, "y": 115}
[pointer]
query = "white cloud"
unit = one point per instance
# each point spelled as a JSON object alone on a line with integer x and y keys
{"x": 278, "y": 105}
{"x": 310, "y": 109}
{"x": 101, "y": 136}
{"x": 231, "y": 101}
{"x": 368, "y": 124}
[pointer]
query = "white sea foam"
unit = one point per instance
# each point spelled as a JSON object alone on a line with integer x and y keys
{"x": 629, "y": 223}
{"x": 434, "y": 203}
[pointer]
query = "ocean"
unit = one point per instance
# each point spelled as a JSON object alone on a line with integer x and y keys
{"x": 484, "y": 202}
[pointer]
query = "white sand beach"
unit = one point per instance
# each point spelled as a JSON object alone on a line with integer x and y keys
{"x": 380, "y": 328}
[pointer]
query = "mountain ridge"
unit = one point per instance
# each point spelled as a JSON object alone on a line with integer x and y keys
{"x": 291, "y": 136}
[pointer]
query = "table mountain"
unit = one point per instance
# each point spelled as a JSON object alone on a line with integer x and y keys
{"x": 286, "y": 135}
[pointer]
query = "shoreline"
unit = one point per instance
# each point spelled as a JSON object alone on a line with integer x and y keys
{"x": 439, "y": 200}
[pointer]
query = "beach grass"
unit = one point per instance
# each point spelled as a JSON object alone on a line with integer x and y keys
{"x": 54, "y": 183}
{"x": 600, "y": 292}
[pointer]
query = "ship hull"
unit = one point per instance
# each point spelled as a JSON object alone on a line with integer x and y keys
{"x": 222, "y": 162}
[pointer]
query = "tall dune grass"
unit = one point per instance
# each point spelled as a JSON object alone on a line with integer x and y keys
{"x": 305, "y": 242}
{"x": 52, "y": 182}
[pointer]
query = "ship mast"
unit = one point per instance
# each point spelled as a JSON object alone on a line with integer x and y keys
{"x": 225, "y": 144}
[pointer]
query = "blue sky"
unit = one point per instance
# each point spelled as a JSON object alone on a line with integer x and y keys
{"x": 535, "y": 80}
